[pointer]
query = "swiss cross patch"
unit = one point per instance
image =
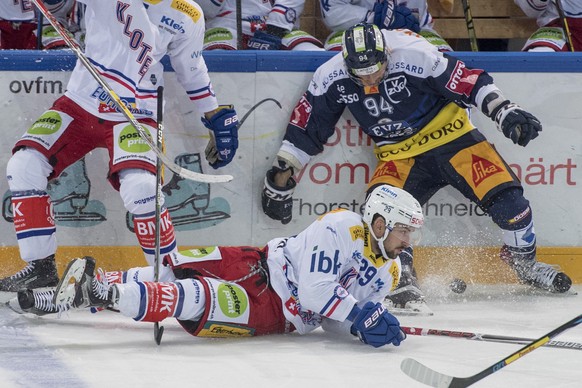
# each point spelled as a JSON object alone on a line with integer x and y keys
{"x": 301, "y": 113}
{"x": 291, "y": 306}
{"x": 462, "y": 80}
{"x": 483, "y": 169}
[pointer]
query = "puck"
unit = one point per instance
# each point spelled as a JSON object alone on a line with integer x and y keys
{"x": 458, "y": 286}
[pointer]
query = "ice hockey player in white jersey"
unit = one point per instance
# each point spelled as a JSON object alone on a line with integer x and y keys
{"x": 126, "y": 39}
{"x": 412, "y": 101}
{"x": 334, "y": 274}
{"x": 338, "y": 15}
{"x": 551, "y": 36}
{"x": 265, "y": 25}
{"x": 17, "y": 25}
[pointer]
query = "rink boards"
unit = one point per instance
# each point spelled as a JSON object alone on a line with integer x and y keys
{"x": 458, "y": 238}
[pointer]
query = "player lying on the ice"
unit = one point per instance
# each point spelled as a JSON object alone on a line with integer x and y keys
{"x": 333, "y": 274}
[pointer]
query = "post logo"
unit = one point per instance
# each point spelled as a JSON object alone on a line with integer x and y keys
{"x": 131, "y": 141}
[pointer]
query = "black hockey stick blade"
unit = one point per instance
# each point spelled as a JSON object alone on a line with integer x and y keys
{"x": 158, "y": 333}
{"x": 428, "y": 376}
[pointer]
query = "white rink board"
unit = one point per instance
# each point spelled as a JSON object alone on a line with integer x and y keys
{"x": 230, "y": 214}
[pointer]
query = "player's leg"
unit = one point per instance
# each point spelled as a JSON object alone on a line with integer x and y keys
{"x": 481, "y": 175}
{"x": 52, "y": 143}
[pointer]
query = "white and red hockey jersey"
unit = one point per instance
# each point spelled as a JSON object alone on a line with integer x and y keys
{"x": 17, "y": 10}
{"x": 545, "y": 11}
{"x": 321, "y": 273}
{"x": 125, "y": 42}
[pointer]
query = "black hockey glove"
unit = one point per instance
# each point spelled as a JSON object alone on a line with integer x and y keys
{"x": 278, "y": 201}
{"x": 515, "y": 123}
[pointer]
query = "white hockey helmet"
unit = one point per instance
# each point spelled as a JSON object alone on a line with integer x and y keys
{"x": 396, "y": 206}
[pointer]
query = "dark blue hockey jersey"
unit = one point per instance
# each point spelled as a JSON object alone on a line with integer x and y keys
{"x": 420, "y": 105}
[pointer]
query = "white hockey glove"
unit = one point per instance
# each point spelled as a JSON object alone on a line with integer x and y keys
{"x": 515, "y": 123}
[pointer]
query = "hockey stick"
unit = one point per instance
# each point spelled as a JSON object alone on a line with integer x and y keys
{"x": 428, "y": 376}
{"x": 565, "y": 25}
{"x": 158, "y": 330}
{"x": 239, "y": 33}
{"x": 470, "y": 25}
{"x": 184, "y": 173}
{"x": 246, "y": 116}
{"x": 488, "y": 337}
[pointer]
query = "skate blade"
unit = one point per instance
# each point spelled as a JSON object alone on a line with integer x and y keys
{"x": 402, "y": 312}
{"x": 416, "y": 309}
{"x": 65, "y": 295}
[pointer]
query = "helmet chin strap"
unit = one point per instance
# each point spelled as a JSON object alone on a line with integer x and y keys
{"x": 381, "y": 241}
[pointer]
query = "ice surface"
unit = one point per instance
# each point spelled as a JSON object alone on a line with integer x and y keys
{"x": 106, "y": 349}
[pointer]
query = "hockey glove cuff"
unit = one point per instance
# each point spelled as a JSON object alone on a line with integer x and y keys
{"x": 375, "y": 326}
{"x": 223, "y": 136}
{"x": 515, "y": 123}
{"x": 277, "y": 201}
{"x": 270, "y": 39}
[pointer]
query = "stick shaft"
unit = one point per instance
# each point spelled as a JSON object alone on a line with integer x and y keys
{"x": 470, "y": 26}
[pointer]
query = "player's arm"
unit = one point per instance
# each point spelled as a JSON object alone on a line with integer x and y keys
{"x": 185, "y": 52}
{"x": 469, "y": 86}
{"x": 312, "y": 122}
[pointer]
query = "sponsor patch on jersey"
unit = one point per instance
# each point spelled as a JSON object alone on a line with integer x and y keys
{"x": 481, "y": 167}
{"x": 187, "y": 9}
{"x": 224, "y": 330}
{"x": 357, "y": 232}
{"x": 340, "y": 292}
{"x": 371, "y": 90}
{"x": 301, "y": 113}
{"x": 463, "y": 79}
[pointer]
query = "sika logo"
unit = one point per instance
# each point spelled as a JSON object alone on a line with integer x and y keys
{"x": 483, "y": 169}
{"x": 388, "y": 169}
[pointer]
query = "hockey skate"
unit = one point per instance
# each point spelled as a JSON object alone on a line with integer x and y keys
{"x": 407, "y": 298}
{"x": 36, "y": 274}
{"x": 38, "y": 301}
{"x": 188, "y": 202}
{"x": 530, "y": 271}
{"x": 89, "y": 290}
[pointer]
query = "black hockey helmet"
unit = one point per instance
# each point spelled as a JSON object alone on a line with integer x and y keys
{"x": 364, "y": 50}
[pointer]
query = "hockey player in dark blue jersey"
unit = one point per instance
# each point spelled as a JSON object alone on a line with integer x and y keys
{"x": 412, "y": 101}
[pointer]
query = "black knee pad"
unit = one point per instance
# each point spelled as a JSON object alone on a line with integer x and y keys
{"x": 510, "y": 210}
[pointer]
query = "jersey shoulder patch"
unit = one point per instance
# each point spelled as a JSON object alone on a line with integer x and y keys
{"x": 187, "y": 8}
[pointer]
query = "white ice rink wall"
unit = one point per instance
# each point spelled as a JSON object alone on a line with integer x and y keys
{"x": 91, "y": 218}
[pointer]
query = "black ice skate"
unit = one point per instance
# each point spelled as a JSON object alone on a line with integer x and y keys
{"x": 90, "y": 289}
{"x": 407, "y": 298}
{"x": 38, "y": 301}
{"x": 530, "y": 271}
{"x": 38, "y": 273}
